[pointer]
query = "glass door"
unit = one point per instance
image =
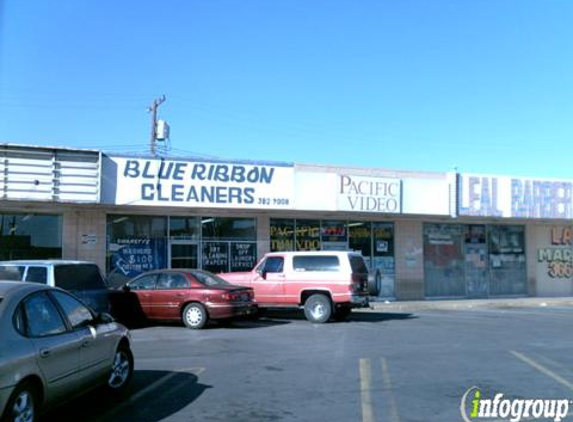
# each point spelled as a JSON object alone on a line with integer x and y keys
{"x": 476, "y": 261}
{"x": 184, "y": 254}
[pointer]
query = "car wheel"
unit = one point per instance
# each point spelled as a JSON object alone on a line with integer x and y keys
{"x": 318, "y": 308}
{"x": 341, "y": 314}
{"x": 195, "y": 316}
{"x": 121, "y": 369}
{"x": 23, "y": 405}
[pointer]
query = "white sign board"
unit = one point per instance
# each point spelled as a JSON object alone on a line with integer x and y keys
{"x": 368, "y": 194}
{"x": 181, "y": 183}
{"x": 514, "y": 197}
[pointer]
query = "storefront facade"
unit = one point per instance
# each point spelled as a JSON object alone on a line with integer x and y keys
{"x": 423, "y": 235}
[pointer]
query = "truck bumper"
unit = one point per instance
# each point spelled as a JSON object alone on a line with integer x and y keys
{"x": 359, "y": 301}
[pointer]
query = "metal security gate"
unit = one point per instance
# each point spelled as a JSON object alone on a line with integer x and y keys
{"x": 444, "y": 260}
{"x": 474, "y": 261}
{"x": 507, "y": 260}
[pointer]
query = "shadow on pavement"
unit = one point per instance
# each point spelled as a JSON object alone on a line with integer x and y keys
{"x": 151, "y": 397}
{"x": 379, "y": 316}
{"x": 238, "y": 324}
{"x": 355, "y": 316}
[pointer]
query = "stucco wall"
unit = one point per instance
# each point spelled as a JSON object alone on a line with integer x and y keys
{"x": 409, "y": 260}
{"x": 84, "y": 236}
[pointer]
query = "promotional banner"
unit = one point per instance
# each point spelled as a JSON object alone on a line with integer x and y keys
{"x": 132, "y": 257}
{"x": 169, "y": 182}
{"x": 512, "y": 197}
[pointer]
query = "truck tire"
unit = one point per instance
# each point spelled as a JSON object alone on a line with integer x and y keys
{"x": 318, "y": 308}
{"x": 375, "y": 284}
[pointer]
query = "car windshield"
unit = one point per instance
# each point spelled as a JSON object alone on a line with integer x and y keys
{"x": 208, "y": 279}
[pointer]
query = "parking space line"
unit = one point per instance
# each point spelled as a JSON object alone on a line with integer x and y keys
{"x": 393, "y": 408}
{"x": 365, "y": 390}
{"x": 542, "y": 369}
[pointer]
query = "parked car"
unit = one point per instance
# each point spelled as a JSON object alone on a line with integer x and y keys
{"x": 54, "y": 348}
{"x": 81, "y": 278}
{"x": 324, "y": 284}
{"x": 191, "y": 296}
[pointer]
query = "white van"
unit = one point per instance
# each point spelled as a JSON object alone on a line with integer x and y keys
{"x": 81, "y": 278}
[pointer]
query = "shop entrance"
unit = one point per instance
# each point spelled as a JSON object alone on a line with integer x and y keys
{"x": 183, "y": 254}
{"x": 476, "y": 270}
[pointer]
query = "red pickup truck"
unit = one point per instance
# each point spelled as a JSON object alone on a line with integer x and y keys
{"x": 325, "y": 284}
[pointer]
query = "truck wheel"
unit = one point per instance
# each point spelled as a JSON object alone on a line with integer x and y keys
{"x": 318, "y": 308}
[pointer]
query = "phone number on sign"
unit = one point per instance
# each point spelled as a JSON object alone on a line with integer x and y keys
{"x": 273, "y": 201}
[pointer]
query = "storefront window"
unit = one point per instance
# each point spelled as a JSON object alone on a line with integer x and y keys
{"x": 216, "y": 256}
{"x": 30, "y": 236}
{"x": 333, "y": 236}
{"x": 123, "y": 226}
{"x": 229, "y": 244}
{"x": 185, "y": 228}
{"x": 219, "y": 228}
{"x": 474, "y": 260}
{"x": 307, "y": 235}
{"x": 383, "y": 257}
{"x": 136, "y": 244}
{"x": 282, "y": 235}
{"x": 375, "y": 241}
{"x": 360, "y": 238}
{"x": 444, "y": 260}
{"x": 507, "y": 260}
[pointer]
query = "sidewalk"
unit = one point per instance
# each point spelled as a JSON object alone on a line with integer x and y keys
{"x": 460, "y": 304}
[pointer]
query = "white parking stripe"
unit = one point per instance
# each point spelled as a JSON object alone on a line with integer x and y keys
{"x": 365, "y": 387}
{"x": 393, "y": 408}
{"x": 543, "y": 369}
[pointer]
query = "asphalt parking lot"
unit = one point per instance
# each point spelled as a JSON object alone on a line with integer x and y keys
{"x": 377, "y": 367}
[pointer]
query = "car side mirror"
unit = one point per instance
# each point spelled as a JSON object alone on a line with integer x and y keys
{"x": 104, "y": 318}
{"x": 126, "y": 288}
{"x": 264, "y": 274}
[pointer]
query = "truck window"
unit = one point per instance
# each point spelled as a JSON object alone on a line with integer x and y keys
{"x": 316, "y": 263}
{"x": 274, "y": 264}
{"x": 358, "y": 265}
{"x": 78, "y": 277}
{"x": 37, "y": 275}
{"x": 12, "y": 272}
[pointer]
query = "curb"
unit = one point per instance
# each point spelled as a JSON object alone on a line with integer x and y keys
{"x": 422, "y": 305}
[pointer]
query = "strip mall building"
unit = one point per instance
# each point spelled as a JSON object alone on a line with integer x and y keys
{"x": 424, "y": 235}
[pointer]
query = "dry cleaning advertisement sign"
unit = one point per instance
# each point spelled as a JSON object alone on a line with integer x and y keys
{"x": 203, "y": 184}
{"x": 368, "y": 194}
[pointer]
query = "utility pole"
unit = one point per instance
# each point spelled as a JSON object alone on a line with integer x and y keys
{"x": 153, "y": 109}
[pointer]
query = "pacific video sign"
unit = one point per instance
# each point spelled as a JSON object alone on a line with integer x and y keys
{"x": 369, "y": 194}
{"x": 511, "y": 197}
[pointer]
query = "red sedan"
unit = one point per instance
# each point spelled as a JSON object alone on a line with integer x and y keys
{"x": 192, "y": 296}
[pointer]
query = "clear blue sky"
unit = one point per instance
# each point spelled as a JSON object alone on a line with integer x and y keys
{"x": 483, "y": 85}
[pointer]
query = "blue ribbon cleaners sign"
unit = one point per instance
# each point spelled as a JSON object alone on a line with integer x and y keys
{"x": 166, "y": 182}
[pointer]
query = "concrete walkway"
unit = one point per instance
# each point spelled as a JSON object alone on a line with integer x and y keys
{"x": 460, "y": 304}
